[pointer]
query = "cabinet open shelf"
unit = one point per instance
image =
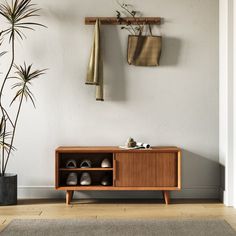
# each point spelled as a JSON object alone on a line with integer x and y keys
{"x": 86, "y": 169}
{"x": 83, "y": 188}
{"x": 113, "y": 188}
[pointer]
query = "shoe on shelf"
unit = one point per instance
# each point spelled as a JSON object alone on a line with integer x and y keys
{"x": 71, "y": 164}
{"x": 72, "y": 179}
{"x": 86, "y": 164}
{"x": 106, "y": 163}
{"x": 106, "y": 181}
{"x": 85, "y": 179}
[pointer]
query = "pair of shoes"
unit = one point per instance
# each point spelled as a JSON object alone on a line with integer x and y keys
{"x": 84, "y": 164}
{"x": 85, "y": 179}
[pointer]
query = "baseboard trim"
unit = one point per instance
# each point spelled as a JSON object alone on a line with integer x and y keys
{"x": 40, "y": 192}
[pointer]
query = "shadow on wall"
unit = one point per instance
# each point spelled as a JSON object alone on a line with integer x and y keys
{"x": 199, "y": 172}
{"x": 171, "y": 49}
{"x": 114, "y": 63}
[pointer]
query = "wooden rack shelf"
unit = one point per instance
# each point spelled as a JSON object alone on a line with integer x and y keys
{"x": 114, "y": 21}
{"x": 86, "y": 169}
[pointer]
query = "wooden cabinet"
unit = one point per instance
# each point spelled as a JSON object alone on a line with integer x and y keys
{"x": 158, "y": 168}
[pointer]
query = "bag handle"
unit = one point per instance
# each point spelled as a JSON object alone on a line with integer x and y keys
{"x": 149, "y": 27}
{"x": 141, "y": 31}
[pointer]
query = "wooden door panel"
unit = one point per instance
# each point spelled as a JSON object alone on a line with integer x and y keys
{"x": 166, "y": 170}
{"x": 146, "y": 170}
{"x": 135, "y": 170}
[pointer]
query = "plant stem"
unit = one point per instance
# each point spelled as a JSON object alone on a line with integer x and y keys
{"x": 4, "y": 112}
{"x": 126, "y": 9}
{"x": 6, "y": 76}
{"x": 132, "y": 28}
{"x": 8, "y": 117}
{"x": 14, "y": 130}
{"x": 3, "y": 142}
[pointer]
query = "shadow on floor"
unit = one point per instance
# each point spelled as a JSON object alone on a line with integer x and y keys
{"x": 115, "y": 201}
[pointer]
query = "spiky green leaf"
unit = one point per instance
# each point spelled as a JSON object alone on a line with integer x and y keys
{"x": 17, "y": 14}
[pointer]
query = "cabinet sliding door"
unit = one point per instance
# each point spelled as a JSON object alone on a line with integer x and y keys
{"x": 135, "y": 170}
{"x": 146, "y": 170}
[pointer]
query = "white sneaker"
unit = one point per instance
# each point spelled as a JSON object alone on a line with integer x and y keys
{"x": 85, "y": 179}
{"x": 71, "y": 164}
{"x": 86, "y": 164}
{"x": 106, "y": 163}
{"x": 72, "y": 179}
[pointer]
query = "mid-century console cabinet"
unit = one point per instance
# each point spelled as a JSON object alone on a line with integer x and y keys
{"x": 158, "y": 168}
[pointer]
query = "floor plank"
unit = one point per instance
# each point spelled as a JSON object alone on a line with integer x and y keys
{"x": 120, "y": 209}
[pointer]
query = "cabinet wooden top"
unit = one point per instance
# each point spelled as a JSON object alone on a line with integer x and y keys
{"x": 113, "y": 149}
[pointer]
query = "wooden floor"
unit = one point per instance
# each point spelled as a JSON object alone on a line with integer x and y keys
{"x": 55, "y": 209}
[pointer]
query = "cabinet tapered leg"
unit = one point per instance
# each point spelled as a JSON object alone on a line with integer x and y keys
{"x": 166, "y": 195}
{"x": 69, "y": 195}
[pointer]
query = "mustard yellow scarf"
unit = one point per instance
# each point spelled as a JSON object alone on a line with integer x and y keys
{"x": 95, "y": 67}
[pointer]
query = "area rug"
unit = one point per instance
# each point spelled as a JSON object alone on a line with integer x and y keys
{"x": 118, "y": 227}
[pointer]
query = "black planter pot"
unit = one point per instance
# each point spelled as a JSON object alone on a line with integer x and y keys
{"x": 8, "y": 189}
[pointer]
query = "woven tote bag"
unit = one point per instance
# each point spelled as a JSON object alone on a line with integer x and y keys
{"x": 144, "y": 50}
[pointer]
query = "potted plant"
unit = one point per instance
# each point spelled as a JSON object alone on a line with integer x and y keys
{"x": 18, "y": 15}
{"x": 142, "y": 50}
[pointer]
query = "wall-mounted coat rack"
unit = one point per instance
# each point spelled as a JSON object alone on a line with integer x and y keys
{"x": 114, "y": 20}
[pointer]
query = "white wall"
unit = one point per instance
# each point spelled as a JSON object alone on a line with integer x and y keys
{"x": 225, "y": 97}
{"x": 174, "y": 104}
{"x": 227, "y": 111}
